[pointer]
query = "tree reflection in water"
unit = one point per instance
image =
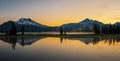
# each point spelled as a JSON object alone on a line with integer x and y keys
{"x": 23, "y": 41}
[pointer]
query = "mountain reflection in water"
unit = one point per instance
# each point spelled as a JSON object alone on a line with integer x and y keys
{"x": 39, "y": 48}
{"x": 23, "y": 40}
{"x": 20, "y": 40}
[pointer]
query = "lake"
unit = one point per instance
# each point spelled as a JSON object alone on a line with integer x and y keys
{"x": 39, "y": 48}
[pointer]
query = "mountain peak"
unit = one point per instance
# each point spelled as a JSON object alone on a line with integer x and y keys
{"x": 25, "y": 21}
{"x": 30, "y": 22}
{"x": 87, "y": 20}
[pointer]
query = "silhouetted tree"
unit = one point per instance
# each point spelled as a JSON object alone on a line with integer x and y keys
{"x": 96, "y": 28}
{"x": 61, "y": 30}
{"x": 118, "y": 30}
{"x": 103, "y": 30}
{"x": 114, "y": 29}
{"x": 110, "y": 29}
{"x": 22, "y": 29}
{"x": 7, "y": 32}
{"x": 12, "y": 31}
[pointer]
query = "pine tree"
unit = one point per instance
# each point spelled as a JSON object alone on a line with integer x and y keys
{"x": 22, "y": 30}
{"x": 96, "y": 29}
{"x": 110, "y": 28}
{"x": 13, "y": 29}
{"x": 61, "y": 30}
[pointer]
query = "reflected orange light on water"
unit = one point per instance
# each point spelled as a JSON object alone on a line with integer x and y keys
{"x": 75, "y": 46}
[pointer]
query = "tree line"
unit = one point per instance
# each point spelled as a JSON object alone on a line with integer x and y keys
{"x": 106, "y": 29}
{"x": 12, "y": 30}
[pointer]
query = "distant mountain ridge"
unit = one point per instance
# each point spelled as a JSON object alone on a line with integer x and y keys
{"x": 6, "y": 25}
{"x": 29, "y": 26}
{"x": 87, "y": 25}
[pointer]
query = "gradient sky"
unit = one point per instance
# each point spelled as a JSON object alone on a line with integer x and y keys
{"x": 57, "y": 12}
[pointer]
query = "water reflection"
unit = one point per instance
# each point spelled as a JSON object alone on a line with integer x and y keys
{"x": 23, "y": 41}
{"x": 94, "y": 40}
{"x": 20, "y": 40}
{"x": 38, "y": 48}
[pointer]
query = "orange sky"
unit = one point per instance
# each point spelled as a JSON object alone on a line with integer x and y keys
{"x": 58, "y": 12}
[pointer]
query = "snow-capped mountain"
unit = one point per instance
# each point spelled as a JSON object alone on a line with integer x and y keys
{"x": 31, "y": 26}
{"x": 28, "y": 21}
{"x": 86, "y": 25}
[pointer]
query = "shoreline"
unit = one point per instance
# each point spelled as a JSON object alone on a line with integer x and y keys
{"x": 64, "y": 35}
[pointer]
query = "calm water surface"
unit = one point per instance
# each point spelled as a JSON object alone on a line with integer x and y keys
{"x": 39, "y": 48}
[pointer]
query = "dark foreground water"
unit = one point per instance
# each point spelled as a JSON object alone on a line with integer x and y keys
{"x": 37, "y": 48}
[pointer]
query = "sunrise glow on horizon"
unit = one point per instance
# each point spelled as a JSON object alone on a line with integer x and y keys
{"x": 58, "y": 12}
